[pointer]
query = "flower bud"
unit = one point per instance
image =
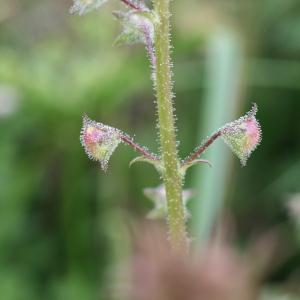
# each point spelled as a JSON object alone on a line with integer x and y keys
{"x": 138, "y": 27}
{"x": 99, "y": 141}
{"x": 243, "y": 135}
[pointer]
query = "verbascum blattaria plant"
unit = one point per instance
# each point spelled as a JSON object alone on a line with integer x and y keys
{"x": 151, "y": 27}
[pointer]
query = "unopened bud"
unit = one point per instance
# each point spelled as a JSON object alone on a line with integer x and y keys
{"x": 243, "y": 135}
{"x": 99, "y": 141}
{"x": 138, "y": 27}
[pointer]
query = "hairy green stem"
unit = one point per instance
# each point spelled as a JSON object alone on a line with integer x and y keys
{"x": 171, "y": 176}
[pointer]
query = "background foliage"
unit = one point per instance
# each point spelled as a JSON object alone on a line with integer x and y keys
{"x": 62, "y": 219}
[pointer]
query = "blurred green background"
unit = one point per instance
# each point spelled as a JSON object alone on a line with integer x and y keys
{"x": 61, "y": 219}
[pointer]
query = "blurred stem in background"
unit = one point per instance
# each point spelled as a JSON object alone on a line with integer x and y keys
{"x": 224, "y": 69}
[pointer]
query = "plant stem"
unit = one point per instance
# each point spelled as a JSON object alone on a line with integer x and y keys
{"x": 129, "y": 141}
{"x": 130, "y": 4}
{"x": 200, "y": 149}
{"x": 171, "y": 176}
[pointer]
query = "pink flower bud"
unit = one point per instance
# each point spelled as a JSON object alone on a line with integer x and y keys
{"x": 243, "y": 135}
{"x": 99, "y": 141}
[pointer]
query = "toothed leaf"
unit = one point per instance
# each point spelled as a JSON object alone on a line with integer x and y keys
{"x": 82, "y": 7}
{"x": 243, "y": 135}
{"x": 99, "y": 141}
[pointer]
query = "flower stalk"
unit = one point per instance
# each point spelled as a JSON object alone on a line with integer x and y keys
{"x": 138, "y": 148}
{"x": 200, "y": 149}
{"x": 166, "y": 119}
{"x": 131, "y": 4}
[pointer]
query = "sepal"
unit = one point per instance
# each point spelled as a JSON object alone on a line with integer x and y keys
{"x": 156, "y": 163}
{"x": 185, "y": 166}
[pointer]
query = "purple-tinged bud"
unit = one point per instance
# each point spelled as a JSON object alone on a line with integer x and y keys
{"x": 82, "y": 7}
{"x": 243, "y": 135}
{"x": 99, "y": 140}
{"x": 138, "y": 27}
